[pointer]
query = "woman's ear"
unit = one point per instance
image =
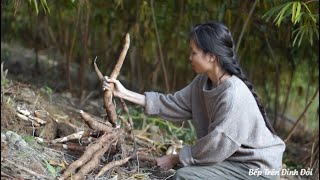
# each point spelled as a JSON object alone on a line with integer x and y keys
{"x": 212, "y": 58}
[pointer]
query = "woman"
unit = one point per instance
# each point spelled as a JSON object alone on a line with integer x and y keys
{"x": 235, "y": 137}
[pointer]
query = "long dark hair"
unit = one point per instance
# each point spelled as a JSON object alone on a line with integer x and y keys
{"x": 214, "y": 37}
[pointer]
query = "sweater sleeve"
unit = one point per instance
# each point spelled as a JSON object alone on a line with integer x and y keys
{"x": 212, "y": 148}
{"x": 174, "y": 107}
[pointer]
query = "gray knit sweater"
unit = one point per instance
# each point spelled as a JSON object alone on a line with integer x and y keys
{"x": 227, "y": 120}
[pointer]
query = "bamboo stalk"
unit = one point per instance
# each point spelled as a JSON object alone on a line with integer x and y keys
{"x": 163, "y": 65}
{"x": 245, "y": 24}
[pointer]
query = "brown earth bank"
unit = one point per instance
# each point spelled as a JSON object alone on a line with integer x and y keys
{"x": 26, "y": 157}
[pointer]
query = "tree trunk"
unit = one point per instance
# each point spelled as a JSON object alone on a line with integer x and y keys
{"x": 85, "y": 17}
{"x": 163, "y": 65}
{"x": 276, "y": 98}
{"x": 245, "y": 25}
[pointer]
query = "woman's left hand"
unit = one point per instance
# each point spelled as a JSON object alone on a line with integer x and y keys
{"x": 168, "y": 161}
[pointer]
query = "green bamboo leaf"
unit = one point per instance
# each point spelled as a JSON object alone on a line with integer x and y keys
{"x": 310, "y": 33}
{"x": 294, "y": 6}
{"x": 298, "y": 10}
{"x": 299, "y": 17}
{"x": 276, "y": 10}
{"x": 283, "y": 11}
{"x": 36, "y": 6}
{"x": 309, "y": 12}
{"x": 45, "y": 6}
{"x": 297, "y": 35}
{"x": 313, "y": 17}
{"x": 272, "y": 12}
{"x": 303, "y": 31}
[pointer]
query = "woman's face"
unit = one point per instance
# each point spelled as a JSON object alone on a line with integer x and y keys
{"x": 200, "y": 61}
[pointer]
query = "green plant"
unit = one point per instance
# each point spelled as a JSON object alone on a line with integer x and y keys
{"x": 300, "y": 13}
{"x": 32, "y": 142}
{"x": 4, "y": 80}
{"x": 53, "y": 171}
{"x": 186, "y": 134}
{"x": 48, "y": 90}
{"x": 44, "y": 5}
{"x": 185, "y": 131}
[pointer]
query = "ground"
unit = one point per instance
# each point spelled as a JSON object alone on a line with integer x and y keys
{"x": 18, "y": 147}
{"x": 25, "y": 90}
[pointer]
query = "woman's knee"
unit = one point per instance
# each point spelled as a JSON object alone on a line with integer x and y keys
{"x": 182, "y": 173}
{"x": 195, "y": 172}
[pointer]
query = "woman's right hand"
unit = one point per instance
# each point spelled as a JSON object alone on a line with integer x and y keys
{"x": 119, "y": 90}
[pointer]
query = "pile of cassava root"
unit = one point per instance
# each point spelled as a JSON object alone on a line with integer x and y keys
{"x": 109, "y": 137}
